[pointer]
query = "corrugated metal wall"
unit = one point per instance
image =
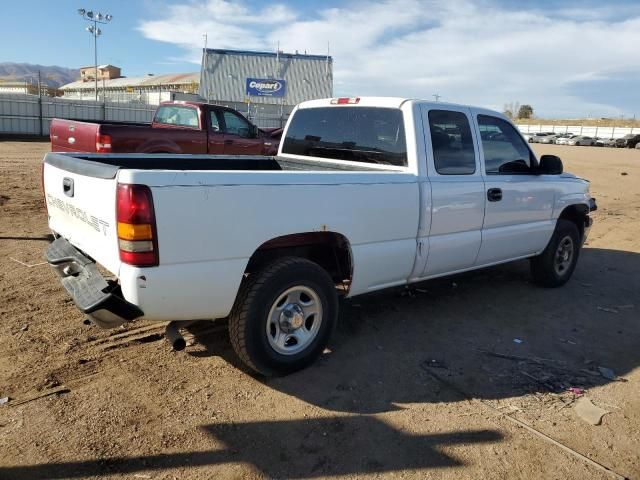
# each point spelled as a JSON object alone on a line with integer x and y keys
{"x": 20, "y": 114}
{"x": 224, "y": 74}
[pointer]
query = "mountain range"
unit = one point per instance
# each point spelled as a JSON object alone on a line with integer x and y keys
{"x": 53, "y": 76}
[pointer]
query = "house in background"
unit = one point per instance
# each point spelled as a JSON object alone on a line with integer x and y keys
{"x": 22, "y": 87}
{"x": 105, "y": 72}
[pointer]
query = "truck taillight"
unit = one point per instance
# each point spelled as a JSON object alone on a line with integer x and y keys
{"x": 103, "y": 143}
{"x": 137, "y": 235}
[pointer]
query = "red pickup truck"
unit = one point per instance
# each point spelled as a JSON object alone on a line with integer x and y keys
{"x": 177, "y": 127}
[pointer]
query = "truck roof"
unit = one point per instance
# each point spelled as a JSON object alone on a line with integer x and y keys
{"x": 388, "y": 102}
{"x": 193, "y": 103}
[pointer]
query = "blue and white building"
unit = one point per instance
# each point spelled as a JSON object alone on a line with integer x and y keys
{"x": 265, "y": 86}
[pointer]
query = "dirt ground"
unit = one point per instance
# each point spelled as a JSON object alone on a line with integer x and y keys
{"x": 420, "y": 383}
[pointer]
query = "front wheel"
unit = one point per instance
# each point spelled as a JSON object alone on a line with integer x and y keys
{"x": 284, "y": 316}
{"x": 555, "y": 265}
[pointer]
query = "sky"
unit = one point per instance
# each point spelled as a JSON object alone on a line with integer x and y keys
{"x": 568, "y": 59}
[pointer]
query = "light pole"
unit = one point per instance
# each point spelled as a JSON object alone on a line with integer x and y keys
{"x": 95, "y": 18}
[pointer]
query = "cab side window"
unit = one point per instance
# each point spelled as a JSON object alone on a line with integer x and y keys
{"x": 177, "y": 115}
{"x": 452, "y": 143}
{"x": 236, "y": 125}
{"x": 505, "y": 151}
{"x": 215, "y": 123}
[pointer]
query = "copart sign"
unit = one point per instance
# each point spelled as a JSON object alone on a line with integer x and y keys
{"x": 265, "y": 87}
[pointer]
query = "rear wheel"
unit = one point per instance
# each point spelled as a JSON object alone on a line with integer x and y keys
{"x": 284, "y": 316}
{"x": 555, "y": 265}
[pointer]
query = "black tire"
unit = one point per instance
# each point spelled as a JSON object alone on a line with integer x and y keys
{"x": 250, "y": 315}
{"x": 545, "y": 268}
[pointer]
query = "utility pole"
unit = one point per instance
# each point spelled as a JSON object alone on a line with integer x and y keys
{"x": 436, "y": 96}
{"x": 40, "y": 101}
{"x": 206, "y": 91}
{"x": 95, "y": 18}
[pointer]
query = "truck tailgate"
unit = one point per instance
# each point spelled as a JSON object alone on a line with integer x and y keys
{"x": 73, "y": 136}
{"x": 81, "y": 208}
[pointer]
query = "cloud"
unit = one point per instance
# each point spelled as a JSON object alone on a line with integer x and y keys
{"x": 469, "y": 51}
{"x": 227, "y": 25}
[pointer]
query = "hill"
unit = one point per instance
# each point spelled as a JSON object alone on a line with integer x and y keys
{"x": 53, "y": 76}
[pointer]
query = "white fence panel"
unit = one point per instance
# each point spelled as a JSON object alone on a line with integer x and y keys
{"x": 605, "y": 132}
{"x": 589, "y": 131}
{"x": 26, "y": 125}
{"x": 621, "y": 132}
{"x": 118, "y": 112}
{"x": 21, "y": 114}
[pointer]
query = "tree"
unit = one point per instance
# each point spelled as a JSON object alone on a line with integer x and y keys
{"x": 525, "y": 111}
{"x": 511, "y": 108}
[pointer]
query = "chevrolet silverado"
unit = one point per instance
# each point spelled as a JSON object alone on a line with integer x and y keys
{"x": 364, "y": 194}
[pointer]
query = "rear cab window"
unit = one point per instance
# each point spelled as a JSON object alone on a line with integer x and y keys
{"x": 177, "y": 115}
{"x": 372, "y": 135}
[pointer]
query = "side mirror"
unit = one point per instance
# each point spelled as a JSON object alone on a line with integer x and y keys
{"x": 550, "y": 165}
{"x": 253, "y": 131}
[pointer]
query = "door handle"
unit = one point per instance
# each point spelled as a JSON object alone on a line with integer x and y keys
{"x": 494, "y": 194}
{"x": 67, "y": 186}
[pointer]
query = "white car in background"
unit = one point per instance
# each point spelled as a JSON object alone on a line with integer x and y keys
{"x": 549, "y": 138}
{"x": 538, "y": 137}
{"x": 581, "y": 140}
{"x": 527, "y": 136}
{"x": 564, "y": 138}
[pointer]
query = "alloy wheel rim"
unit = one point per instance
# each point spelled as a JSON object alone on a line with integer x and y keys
{"x": 564, "y": 256}
{"x": 294, "y": 320}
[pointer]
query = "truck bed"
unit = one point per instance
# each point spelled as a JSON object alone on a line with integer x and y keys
{"x": 107, "y": 166}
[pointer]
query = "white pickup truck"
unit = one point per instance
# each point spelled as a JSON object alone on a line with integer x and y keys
{"x": 364, "y": 194}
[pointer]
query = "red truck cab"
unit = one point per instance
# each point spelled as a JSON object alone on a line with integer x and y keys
{"x": 177, "y": 127}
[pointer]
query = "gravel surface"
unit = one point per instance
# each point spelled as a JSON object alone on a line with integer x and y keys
{"x": 419, "y": 383}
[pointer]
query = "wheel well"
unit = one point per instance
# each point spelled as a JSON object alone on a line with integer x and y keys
{"x": 330, "y": 250}
{"x": 576, "y": 214}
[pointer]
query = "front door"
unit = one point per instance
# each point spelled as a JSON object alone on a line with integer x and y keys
{"x": 519, "y": 203}
{"x": 239, "y": 138}
{"x": 457, "y": 190}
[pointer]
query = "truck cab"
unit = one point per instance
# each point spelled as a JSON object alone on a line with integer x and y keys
{"x": 221, "y": 130}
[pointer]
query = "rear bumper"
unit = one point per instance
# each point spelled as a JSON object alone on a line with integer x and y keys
{"x": 94, "y": 296}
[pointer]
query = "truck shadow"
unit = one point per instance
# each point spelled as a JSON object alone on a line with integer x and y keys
{"x": 443, "y": 340}
{"x": 491, "y": 334}
{"x": 288, "y": 449}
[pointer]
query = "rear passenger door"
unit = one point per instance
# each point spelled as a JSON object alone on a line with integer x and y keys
{"x": 519, "y": 202}
{"x": 457, "y": 190}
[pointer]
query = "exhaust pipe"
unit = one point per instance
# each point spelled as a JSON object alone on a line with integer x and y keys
{"x": 174, "y": 337}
